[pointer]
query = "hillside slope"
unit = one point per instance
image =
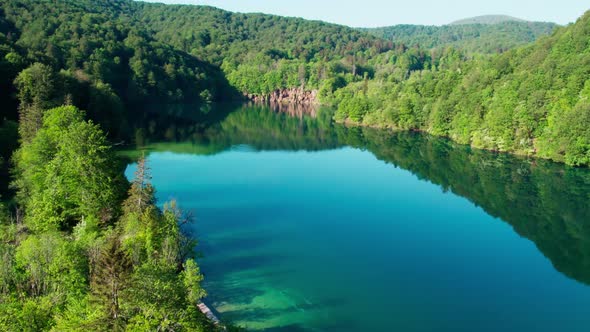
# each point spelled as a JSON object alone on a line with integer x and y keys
{"x": 261, "y": 53}
{"x": 102, "y": 39}
{"x": 215, "y": 34}
{"x": 471, "y": 38}
{"x": 533, "y": 100}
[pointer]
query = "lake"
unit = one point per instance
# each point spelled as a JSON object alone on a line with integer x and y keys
{"x": 304, "y": 225}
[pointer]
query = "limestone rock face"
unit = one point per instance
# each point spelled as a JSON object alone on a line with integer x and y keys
{"x": 287, "y": 96}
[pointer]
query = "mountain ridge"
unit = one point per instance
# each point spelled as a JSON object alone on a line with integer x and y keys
{"x": 488, "y": 19}
{"x": 471, "y": 38}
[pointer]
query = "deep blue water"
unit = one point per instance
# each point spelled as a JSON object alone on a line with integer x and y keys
{"x": 316, "y": 227}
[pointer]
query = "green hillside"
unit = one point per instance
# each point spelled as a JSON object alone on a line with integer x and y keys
{"x": 260, "y": 53}
{"x": 469, "y": 37}
{"x": 531, "y": 100}
{"x": 117, "y": 58}
{"x": 218, "y": 36}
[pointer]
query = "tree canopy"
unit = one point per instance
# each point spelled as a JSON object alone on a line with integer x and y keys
{"x": 471, "y": 38}
{"x": 530, "y": 100}
{"x": 81, "y": 253}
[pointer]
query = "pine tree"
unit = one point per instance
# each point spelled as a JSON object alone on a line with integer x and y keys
{"x": 111, "y": 276}
{"x": 141, "y": 193}
{"x": 36, "y": 92}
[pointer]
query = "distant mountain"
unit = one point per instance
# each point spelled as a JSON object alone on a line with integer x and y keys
{"x": 486, "y": 38}
{"x": 487, "y": 19}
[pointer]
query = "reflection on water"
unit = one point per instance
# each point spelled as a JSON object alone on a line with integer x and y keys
{"x": 294, "y": 110}
{"x": 280, "y": 127}
{"x": 544, "y": 202}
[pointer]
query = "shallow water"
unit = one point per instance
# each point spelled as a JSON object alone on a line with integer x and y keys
{"x": 304, "y": 225}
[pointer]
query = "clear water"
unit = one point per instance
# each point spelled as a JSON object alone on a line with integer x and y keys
{"x": 308, "y": 226}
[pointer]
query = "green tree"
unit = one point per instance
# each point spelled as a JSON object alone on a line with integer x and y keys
{"x": 67, "y": 173}
{"x": 36, "y": 92}
{"x": 110, "y": 279}
{"x": 192, "y": 279}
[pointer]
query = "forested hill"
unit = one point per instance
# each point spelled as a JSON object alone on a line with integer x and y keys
{"x": 217, "y": 35}
{"x": 101, "y": 43}
{"x": 260, "y": 53}
{"x": 473, "y": 37}
{"x": 532, "y": 100}
{"x": 132, "y": 53}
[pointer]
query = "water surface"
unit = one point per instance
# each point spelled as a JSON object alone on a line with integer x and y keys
{"x": 308, "y": 226}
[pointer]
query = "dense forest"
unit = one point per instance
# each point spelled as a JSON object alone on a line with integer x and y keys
{"x": 85, "y": 250}
{"x": 471, "y": 38}
{"x": 531, "y": 100}
{"x": 487, "y": 19}
{"x": 82, "y": 248}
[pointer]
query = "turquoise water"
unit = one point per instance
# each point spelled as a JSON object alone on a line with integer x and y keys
{"x": 307, "y": 226}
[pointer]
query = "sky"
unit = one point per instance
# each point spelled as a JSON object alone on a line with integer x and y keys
{"x": 374, "y": 13}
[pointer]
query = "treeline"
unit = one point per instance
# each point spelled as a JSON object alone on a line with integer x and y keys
{"x": 261, "y": 53}
{"x": 109, "y": 60}
{"x": 531, "y": 100}
{"x": 84, "y": 250}
{"x": 471, "y": 38}
{"x": 130, "y": 54}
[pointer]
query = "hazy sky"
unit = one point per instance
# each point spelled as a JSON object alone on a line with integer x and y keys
{"x": 371, "y": 13}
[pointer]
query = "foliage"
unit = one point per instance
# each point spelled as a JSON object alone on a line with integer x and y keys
{"x": 58, "y": 187}
{"x": 262, "y": 53}
{"x": 530, "y": 100}
{"x": 108, "y": 57}
{"x": 109, "y": 280}
{"x": 85, "y": 257}
{"x": 471, "y": 38}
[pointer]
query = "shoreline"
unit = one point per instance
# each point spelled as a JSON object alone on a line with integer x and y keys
{"x": 522, "y": 155}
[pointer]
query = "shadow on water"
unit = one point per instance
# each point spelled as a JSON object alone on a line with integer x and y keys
{"x": 545, "y": 202}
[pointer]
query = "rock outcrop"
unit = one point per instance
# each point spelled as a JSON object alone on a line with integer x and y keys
{"x": 287, "y": 96}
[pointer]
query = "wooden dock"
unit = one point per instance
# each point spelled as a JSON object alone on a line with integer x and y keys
{"x": 205, "y": 310}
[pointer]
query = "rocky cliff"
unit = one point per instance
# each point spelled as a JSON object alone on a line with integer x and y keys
{"x": 287, "y": 96}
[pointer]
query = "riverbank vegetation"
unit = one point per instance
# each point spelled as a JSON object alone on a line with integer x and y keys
{"x": 86, "y": 250}
{"x": 531, "y": 100}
